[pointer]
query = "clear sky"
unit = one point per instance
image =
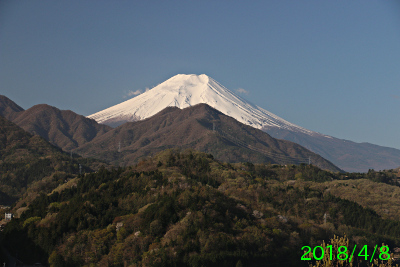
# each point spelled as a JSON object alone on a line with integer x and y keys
{"x": 329, "y": 66}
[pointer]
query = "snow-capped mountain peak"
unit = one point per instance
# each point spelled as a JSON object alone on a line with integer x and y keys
{"x": 183, "y": 91}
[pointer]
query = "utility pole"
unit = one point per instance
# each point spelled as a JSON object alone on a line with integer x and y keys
{"x": 119, "y": 147}
{"x": 309, "y": 160}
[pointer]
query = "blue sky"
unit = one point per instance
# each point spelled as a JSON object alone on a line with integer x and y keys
{"x": 328, "y": 66}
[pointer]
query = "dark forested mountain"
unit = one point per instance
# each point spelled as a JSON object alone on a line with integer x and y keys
{"x": 199, "y": 127}
{"x": 63, "y": 128}
{"x": 8, "y": 108}
{"x": 26, "y": 158}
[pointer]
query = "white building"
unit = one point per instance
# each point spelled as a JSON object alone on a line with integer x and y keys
{"x": 8, "y": 216}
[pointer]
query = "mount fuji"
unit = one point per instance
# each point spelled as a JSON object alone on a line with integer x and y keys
{"x": 185, "y": 91}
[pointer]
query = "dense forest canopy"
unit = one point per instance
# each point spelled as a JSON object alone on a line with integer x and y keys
{"x": 184, "y": 208}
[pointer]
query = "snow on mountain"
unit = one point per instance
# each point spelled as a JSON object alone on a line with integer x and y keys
{"x": 183, "y": 91}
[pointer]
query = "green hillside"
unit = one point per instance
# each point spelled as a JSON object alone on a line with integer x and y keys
{"x": 187, "y": 209}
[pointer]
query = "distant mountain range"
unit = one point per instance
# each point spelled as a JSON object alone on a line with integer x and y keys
{"x": 184, "y": 91}
{"x": 348, "y": 155}
{"x": 71, "y": 131}
{"x": 199, "y": 127}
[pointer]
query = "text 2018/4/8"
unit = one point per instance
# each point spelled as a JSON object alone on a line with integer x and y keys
{"x": 342, "y": 253}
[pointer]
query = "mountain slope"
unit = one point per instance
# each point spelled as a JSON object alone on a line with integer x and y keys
{"x": 187, "y": 90}
{"x": 30, "y": 164}
{"x": 62, "y": 128}
{"x": 24, "y": 159}
{"x": 193, "y": 128}
{"x": 348, "y": 155}
{"x": 8, "y": 108}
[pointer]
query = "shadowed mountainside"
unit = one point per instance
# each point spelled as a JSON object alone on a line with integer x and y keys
{"x": 63, "y": 128}
{"x": 8, "y": 108}
{"x": 192, "y": 127}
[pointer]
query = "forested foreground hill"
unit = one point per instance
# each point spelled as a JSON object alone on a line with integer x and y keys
{"x": 30, "y": 161}
{"x": 187, "y": 209}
